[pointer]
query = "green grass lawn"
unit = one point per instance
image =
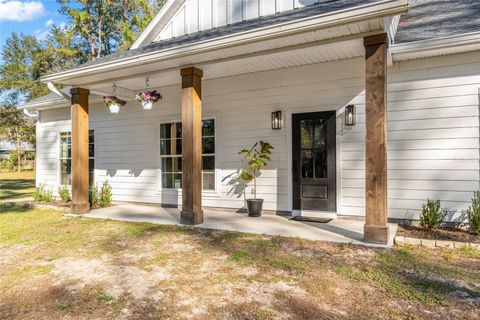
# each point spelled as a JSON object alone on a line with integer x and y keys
{"x": 54, "y": 267}
{"x": 16, "y": 185}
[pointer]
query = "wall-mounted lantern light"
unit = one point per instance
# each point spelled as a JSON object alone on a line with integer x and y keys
{"x": 277, "y": 120}
{"x": 350, "y": 116}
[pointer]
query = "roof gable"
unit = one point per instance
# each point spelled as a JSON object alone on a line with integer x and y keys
{"x": 183, "y": 17}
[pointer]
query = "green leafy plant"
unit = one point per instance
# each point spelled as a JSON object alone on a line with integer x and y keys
{"x": 93, "y": 195}
{"x": 64, "y": 193}
{"x": 105, "y": 198}
{"x": 432, "y": 214}
{"x": 473, "y": 214}
{"x": 255, "y": 158}
{"x": 43, "y": 194}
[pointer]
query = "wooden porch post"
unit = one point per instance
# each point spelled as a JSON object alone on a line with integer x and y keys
{"x": 376, "y": 226}
{"x": 79, "y": 110}
{"x": 191, "y": 146}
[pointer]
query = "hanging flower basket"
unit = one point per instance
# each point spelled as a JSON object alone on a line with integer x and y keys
{"x": 148, "y": 98}
{"x": 113, "y": 103}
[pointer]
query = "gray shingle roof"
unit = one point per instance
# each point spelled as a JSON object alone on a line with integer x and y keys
{"x": 51, "y": 97}
{"x": 323, "y": 7}
{"x": 430, "y": 19}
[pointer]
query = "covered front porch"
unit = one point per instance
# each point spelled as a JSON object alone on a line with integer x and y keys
{"x": 337, "y": 230}
{"x": 319, "y": 64}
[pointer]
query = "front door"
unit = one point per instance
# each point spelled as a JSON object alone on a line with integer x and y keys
{"x": 314, "y": 167}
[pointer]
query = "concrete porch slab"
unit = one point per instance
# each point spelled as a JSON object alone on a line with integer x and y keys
{"x": 340, "y": 230}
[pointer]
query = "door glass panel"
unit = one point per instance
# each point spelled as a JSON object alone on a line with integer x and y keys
{"x": 313, "y": 141}
{"x": 320, "y": 164}
{"x": 319, "y": 134}
{"x": 306, "y": 133}
{"x": 307, "y": 164}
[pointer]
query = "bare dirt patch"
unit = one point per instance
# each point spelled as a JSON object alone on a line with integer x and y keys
{"x": 93, "y": 269}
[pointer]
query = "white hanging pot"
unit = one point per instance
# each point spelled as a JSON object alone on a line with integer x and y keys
{"x": 114, "y": 107}
{"x": 147, "y": 104}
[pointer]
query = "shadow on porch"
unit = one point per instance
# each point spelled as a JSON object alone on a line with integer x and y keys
{"x": 340, "y": 230}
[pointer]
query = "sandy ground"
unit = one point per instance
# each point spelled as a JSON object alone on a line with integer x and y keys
{"x": 57, "y": 268}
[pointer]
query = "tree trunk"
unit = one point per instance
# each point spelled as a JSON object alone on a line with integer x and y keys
{"x": 100, "y": 23}
{"x": 19, "y": 160}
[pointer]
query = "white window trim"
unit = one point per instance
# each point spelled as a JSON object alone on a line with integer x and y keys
{"x": 59, "y": 168}
{"x": 216, "y": 193}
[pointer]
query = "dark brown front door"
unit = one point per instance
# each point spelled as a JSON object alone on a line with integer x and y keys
{"x": 314, "y": 167}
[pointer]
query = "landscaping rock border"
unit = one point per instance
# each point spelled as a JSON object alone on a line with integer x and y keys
{"x": 427, "y": 243}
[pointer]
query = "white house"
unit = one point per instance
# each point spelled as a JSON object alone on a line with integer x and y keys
{"x": 410, "y": 69}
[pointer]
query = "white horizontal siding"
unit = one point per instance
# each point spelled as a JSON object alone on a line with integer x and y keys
{"x": 433, "y": 138}
{"x": 433, "y": 134}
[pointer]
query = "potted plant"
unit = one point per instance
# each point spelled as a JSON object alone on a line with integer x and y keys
{"x": 113, "y": 103}
{"x": 255, "y": 158}
{"x": 148, "y": 98}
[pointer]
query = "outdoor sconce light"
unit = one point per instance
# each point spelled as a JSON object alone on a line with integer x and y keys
{"x": 350, "y": 116}
{"x": 277, "y": 120}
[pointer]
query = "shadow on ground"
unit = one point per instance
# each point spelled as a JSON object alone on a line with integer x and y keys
{"x": 11, "y": 189}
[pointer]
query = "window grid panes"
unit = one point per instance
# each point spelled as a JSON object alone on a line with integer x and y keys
{"x": 171, "y": 155}
{"x": 66, "y": 157}
{"x": 313, "y": 149}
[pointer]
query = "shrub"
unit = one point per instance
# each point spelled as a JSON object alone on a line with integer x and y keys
{"x": 93, "y": 195}
{"x": 473, "y": 213}
{"x": 105, "y": 198}
{"x": 64, "y": 194}
{"x": 432, "y": 214}
{"x": 7, "y": 165}
{"x": 42, "y": 194}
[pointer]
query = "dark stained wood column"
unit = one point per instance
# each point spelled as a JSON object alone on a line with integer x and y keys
{"x": 191, "y": 146}
{"x": 376, "y": 225}
{"x": 79, "y": 110}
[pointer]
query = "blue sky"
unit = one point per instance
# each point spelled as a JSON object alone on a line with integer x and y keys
{"x": 31, "y": 17}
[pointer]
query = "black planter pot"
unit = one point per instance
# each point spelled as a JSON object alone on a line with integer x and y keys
{"x": 254, "y": 207}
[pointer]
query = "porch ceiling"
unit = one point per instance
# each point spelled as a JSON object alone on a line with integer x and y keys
{"x": 314, "y": 39}
{"x": 276, "y": 59}
{"x": 305, "y": 48}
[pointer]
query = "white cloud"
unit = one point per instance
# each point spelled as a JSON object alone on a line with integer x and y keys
{"x": 48, "y": 23}
{"x": 14, "y": 10}
{"x": 41, "y": 34}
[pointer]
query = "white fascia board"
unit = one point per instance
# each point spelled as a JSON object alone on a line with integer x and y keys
{"x": 55, "y": 103}
{"x": 52, "y": 104}
{"x": 375, "y": 10}
{"x": 458, "y": 43}
{"x": 162, "y": 16}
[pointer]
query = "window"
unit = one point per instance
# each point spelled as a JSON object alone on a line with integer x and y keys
{"x": 171, "y": 155}
{"x": 66, "y": 157}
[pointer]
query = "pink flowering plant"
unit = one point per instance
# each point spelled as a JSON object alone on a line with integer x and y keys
{"x": 153, "y": 96}
{"x": 113, "y": 99}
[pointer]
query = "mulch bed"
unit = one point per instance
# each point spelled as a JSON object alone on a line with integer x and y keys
{"x": 438, "y": 234}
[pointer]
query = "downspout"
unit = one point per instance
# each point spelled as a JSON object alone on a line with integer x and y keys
{"x": 63, "y": 95}
{"x": 31, "y": 113}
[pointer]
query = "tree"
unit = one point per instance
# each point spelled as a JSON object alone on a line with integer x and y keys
{"x": 104, "y": 26}
{"x": 16, "y": 128}
{"x": 26, "y": 59}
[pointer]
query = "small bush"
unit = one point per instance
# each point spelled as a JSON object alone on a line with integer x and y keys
{"x": 42, "y": 194}
{"x": 93, "y": 195}
{"x": 105, "y": 195}
{"x": 432, "y": 214}
{"x": 7, "y": 165}
{"x": 64, "y": 194}
{"x": 473, "y": 213}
